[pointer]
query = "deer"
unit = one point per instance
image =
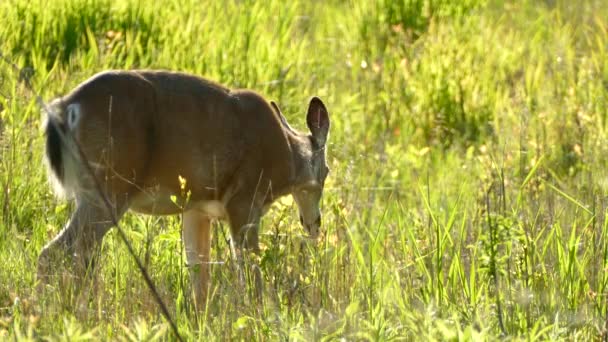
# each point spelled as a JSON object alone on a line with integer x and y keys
{"x": 148, "y": 134}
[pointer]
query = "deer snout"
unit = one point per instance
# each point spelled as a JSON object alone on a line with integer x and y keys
{"x": 312, "y": 228}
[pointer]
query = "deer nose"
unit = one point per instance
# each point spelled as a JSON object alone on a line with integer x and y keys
{"x": 314, "y": 228}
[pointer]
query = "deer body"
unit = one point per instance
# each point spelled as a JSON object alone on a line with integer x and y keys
{"x": 141, "y": 131}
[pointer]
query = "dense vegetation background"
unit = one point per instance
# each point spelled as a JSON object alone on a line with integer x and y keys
{"x": 468, "y": 151}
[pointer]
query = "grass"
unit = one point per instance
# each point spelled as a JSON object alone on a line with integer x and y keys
{"x": 467, "y": 195}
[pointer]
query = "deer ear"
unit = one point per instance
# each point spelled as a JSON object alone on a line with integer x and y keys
{"x": 318, "y": 121}
{"x": 276, "y": 108}
{"x": 284, "y": 122}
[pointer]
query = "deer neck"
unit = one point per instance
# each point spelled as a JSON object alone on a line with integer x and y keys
{"x": 301, "y": 153}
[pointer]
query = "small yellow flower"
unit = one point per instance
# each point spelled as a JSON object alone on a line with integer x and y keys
{"x": 182, "y": 182}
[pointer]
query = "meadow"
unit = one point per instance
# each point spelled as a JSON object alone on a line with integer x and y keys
{"x": 468, "y": 155}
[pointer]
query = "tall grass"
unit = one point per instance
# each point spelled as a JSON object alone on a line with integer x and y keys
{"x": 467, "y": 194}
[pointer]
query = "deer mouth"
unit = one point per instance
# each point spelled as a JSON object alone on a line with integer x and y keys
{"x": 313, "y": 229}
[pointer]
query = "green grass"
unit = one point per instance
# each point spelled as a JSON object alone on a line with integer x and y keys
{"x": 467, "y": 198}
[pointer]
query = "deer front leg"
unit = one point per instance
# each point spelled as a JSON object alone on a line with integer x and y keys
{"x": 78, "y": 241}
{"x": 197, "y": 238}
{"x": 244, "y": 221}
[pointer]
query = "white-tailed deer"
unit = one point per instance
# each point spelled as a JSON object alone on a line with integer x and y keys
{"x": 140, "y": 131}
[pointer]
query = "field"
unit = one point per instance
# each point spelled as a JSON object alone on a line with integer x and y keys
{"x": 468, "y": 155}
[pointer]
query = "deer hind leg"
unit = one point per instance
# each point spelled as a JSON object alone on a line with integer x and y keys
{"x": 80, "y": 240}
{"x": 196, "y": 236}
